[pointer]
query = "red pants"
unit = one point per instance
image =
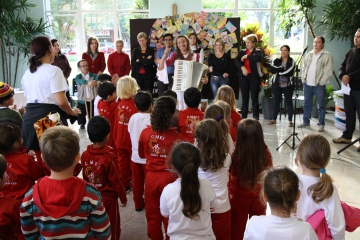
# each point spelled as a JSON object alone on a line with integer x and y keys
{"x": 221, "y": 225}
{"x": 155, "y": 183}
{"x": 138, "y": 181}
{"x": 124, "y": 158}
{"x": 241, "y": 208}
{"x": 113, "y": 211}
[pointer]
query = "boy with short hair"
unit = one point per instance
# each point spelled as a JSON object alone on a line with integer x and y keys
{"x": 143, "y": 102}
{"x": 100, "y": 169}
{"x": 102, "y": 78}
{"x": 10, "y": 228}
{"x": 62, "y": 206}
{"x": 189, "y": 116}
{"x": 107, "y": 108}
{"x": 6, "y": 100}
{"x": 86, "y": 85}
{"x": 174, "y": 122}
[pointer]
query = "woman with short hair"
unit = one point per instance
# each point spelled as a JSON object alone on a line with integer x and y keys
{"x": 118, "y": 62}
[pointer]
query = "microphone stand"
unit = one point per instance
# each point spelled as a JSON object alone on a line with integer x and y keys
{"x": 297, "y": 86}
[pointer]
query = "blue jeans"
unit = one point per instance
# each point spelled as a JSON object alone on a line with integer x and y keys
{"x": 216, "y": 82}
{"x": 320, "y": 93}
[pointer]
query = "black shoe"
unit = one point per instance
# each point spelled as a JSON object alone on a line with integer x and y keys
{"x": 82, "y": 126}
{"x": 140, "y": 209}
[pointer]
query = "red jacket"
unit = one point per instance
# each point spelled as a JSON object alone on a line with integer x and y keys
{"x": 234, "y": 175}
{"x": 99, "y": 168}
{"x": 9, "y": 218}
{"x": 235, "y": 118}
{"x": 96, "y": 65}
{"x": 186, "y": 124}
{"x": 125, "y": 109}
{"x": 119, "y": 63}
{"x": 21, "y": 173}
{"x": 107, "y": 110}
{"x": 155, "y": 147}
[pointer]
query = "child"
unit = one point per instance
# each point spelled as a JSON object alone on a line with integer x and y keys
{"x": 126, "y": 89}
{"x": 9, "y": 210}
{"x": 6, "y": 100}
{"x": 188, "y": 201}
{"x": 316, "y": 186}
{"x": 217, "y": 113}
{"x": 215, "y": 162}
{"x": 107, "y": 108}
{"x": 139, "y": 121}
{"x": 174, "y": 122}
{"x": 100, "y": 169}
{"x": 86, "y": 85}
{"x": 101, "y": 78}
{"x": 155, "y": 143}
{"x": 189, "y": 116}
{"x": 62, "y": 206}
{"x": 226, "y": 94}
{"x": 22, "y": 170}
{"x": 280, "y": 188}
{"x": 250, "y": 158}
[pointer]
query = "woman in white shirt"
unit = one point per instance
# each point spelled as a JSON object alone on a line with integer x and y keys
{"x": 44, "y": 87}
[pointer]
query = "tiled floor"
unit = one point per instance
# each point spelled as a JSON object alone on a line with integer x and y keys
{"x": 343, "y": 168}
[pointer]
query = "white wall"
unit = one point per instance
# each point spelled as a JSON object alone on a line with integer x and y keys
{"x": 162, "y": 8}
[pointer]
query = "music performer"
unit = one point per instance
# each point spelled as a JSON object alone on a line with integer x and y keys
{"x": 182, "y": 52}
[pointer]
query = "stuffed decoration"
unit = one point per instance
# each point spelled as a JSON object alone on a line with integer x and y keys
{"x": 51, "y": 120}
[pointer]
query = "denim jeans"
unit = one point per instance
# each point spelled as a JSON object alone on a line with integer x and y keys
{"x": 320, "y": 93}
{"x": 216, "y": 82}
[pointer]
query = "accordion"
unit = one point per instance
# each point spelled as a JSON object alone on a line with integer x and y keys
{"x": 188, "y": 74}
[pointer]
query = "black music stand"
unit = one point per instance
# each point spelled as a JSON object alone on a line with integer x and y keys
{"x": 349, "y": 145}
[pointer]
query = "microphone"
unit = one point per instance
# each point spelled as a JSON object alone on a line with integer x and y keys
{"x": 305, "y": 50}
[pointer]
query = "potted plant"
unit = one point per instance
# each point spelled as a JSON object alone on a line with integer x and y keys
{"x": 267, "y": 102}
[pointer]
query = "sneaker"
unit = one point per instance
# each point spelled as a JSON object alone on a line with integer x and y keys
{"x": 321, "y": 128}
{"x": 82, "y": 126}
{"x": 341, "y": 140}
{"x": 303, "y": 125}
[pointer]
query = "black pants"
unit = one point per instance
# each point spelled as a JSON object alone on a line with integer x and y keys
{"x": 162, "y": 87}
{"x": 82, "y": 116}
{"x": 146, "y": 83}
{"x": 351, "y": 104}
{"x": 278, "y": 91}
{"x": 248, "y": 83}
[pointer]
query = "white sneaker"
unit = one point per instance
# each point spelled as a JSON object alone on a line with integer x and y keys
{"x": 321, "y": 128}
{"x": 303, "y": 125}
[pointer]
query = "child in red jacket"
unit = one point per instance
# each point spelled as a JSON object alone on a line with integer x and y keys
{"x": 99, "y": 168}
{"x": 22, "y": 170}
{"x": 155, "y": 143}
{"x": 9, "y": 210}
{"x": 191, "y": 115}
{"x": 107, "y": 107}
{"x": 126, "y": 89}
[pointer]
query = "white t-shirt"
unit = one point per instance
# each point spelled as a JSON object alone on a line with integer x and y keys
{"x": 96, "y": 102}
{"x": 334, "y": 214}
{"x": 40, "y": 86}
{"x": 273, "y": 227}
{"x": 311, "y": 73}
{"x": 181, "y": 227}
{"x": 219, "y": 180}
{"x": 137, "y": 123}
{"x": 231, "y": 144}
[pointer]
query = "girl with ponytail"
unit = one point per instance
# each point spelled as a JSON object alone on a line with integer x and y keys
{"x": 155, "y": 143}
{"x": 318, "y": 191}
{"x": 280, "y": 188}
{"x": 213, "y": 144}
{"x": 188, "y": 201}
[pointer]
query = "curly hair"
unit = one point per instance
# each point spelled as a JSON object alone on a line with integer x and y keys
{"x": 212, "y": 143}
{"x": 162, "y": 113}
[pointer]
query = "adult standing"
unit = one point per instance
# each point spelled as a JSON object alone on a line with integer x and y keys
{"x": 168, "y": 40}
{"x": 95, "y": 59}
{"x": 44, "y": 87}
{"x": 249, "y": 71}
{"x": 283, "y": 68}
{"x": 349, "y": 73}
{"x": 193, "y": 40}
{"x": 142, "y": 63}
{"x": 118, "y": 62}
{"x": 218, "y": 67}
{"x": 62, "y": 62}
{"x": 317, "y": 70}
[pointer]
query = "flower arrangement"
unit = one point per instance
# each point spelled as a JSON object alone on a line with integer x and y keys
{"x": 254, "y": 28}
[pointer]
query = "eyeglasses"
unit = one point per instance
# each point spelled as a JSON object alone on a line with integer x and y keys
{"x": 169, "y": 39}
{"x": 84, "y": 66}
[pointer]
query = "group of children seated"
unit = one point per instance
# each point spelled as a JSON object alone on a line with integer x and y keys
{"x": 201, "y": 174}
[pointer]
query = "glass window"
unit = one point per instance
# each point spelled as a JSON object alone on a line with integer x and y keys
{"x": 63, "y": 5}
{"x": 254, "y": 4}
{"x": 97, "y": 5}
{"x": 218, "y": 4}
{"x": 263, "y": 17}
